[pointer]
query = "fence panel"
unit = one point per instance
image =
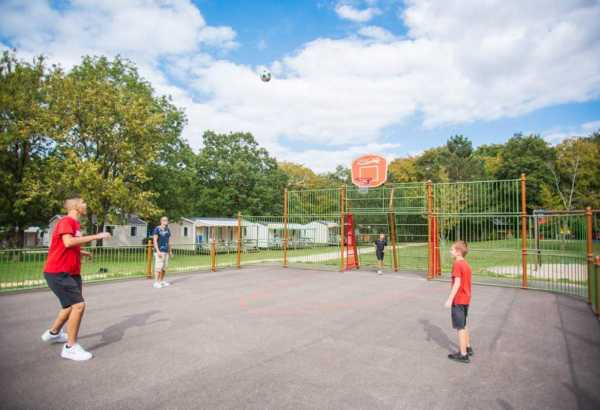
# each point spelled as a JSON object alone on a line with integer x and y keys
{"x": 23, "y": 268}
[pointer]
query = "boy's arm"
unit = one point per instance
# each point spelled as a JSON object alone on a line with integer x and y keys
{"x": 169, "y": 243}
{"x": 70, "y": 240}
{"x": 155, "y": 242}
{"x": 453, "y": 292}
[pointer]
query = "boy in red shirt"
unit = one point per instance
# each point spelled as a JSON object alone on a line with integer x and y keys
{"x": 459, "y": 300}
{"x": 63, "y": 275}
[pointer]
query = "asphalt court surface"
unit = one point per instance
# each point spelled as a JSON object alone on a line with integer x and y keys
{"x": 273, "y": 338}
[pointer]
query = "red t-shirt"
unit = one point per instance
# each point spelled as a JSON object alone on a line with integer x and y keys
{"x": 62, "y": 259}
{"x": 462, "y": 270}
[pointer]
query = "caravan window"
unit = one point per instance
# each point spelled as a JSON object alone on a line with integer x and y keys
{"x": 134, "y": 231}
{"x": 185, "y": 231}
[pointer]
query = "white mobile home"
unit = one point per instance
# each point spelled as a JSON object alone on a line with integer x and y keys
{"x": 191, "y": 233}
{"x": 255, "y": 235}
{"x": 322, "y": 232}
{"x": 182, "y": 234}
{"x": 34, "y": 236}
{"x": 132, "y": 233}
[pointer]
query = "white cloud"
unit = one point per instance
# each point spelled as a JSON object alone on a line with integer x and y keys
{"x": 461, "y": 61}
{"x": 591, "y": 126}
{"x": 142, "y": 29}
{"x": 326, "y": 160}
{"x": 376, "y": 33}
{"x": 222, "y": 37}
{"x": 557, "y": 134}
{"x": 348, "y": 12}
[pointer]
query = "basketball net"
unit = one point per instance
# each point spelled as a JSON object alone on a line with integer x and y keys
{"x": 364, "y": 182}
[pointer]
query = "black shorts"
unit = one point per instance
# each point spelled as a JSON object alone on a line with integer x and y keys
{"x": 67, "y": 288}
{"x": 379, "y": 256}
{"x": 459, "y": 316}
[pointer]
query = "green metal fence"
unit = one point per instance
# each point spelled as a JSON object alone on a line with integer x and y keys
{"x": 546, "y": 250}
{"x": 23, "y": 268}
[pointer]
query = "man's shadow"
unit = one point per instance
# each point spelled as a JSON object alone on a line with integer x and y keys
{"x": 115, "y": 332}
{"x": 436, "y": 334}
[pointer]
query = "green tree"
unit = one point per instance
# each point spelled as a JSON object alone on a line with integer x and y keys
{"x": 26, "y": 129}
{"x": 490, "y": 155}
{"x": 113, "y": 131}
{"x": 403, "y": 170}
{"x": 460, "y": 163}
{"x": 341, "y": 175}
{"x": 576, "y": 172}
{"x": 235, "y": 174}
{"x": 530, "y": 155}
{"x": 430, "y": 165}
{"x": 173, "y": 179}
{"x": 301, "y": 177}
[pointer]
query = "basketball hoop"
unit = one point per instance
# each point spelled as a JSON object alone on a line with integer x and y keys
{"x": 363, "y": 184}
{"x": 369, "y": 171}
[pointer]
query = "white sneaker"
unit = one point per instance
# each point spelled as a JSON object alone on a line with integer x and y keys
{"x": 75, "y": 352}
{"x": 61, "y": 337}
{"x": 157, "y": 285}
{"x": 164, "y": 283}
{"x": 379, "y": 272}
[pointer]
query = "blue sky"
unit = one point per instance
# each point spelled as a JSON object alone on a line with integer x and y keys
{"x": 349, "y": 76}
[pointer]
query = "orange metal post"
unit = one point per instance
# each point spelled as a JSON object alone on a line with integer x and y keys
{"x": 239, "y": 241}
{"x": 597, "y": 272}
{"x": 523, "y": 231}
{"x": 285, "y": 228}
{"x": 342, "y": 225}
{"x": 437, "y": 265}
{"x": 149, "y": 259}
{"x": 430, "y": 265}
{"x": 590, "y": 256}
{"x": 392, "y": 223}
{"x": 213, "y": 251}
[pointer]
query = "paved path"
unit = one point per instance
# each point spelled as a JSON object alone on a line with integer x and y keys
{"x": 269, "y": 338}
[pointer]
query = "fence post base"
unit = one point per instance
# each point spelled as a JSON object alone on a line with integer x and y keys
{"x": 149, "y": 259}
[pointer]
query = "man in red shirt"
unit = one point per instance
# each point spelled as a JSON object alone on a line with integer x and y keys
{"x": 63, "y": 275}
{"x": 459, "y": 300}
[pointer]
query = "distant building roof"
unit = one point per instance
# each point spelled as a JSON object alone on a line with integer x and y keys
{"x": 279, "y": 225}
{"x": 135, "y": 220}
{"x": 203, "y": 221}
{"x": 329, "y": 224}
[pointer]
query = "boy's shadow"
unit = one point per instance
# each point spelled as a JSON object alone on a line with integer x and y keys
{"x": 180, "y": 279}
{"x": 115, "y": 332}
{"x": 436, "y": 334}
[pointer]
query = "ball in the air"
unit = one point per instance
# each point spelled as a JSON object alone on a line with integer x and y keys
{"x": 265, "y": 75}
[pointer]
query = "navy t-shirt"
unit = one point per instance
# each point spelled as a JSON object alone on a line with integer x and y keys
{"x": 163, "y": 238}
{"x": 380, "y": 245}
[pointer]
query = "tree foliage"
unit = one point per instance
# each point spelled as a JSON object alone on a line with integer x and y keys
{"x": 235, "y": 174}
{"x": 26, "y": 130}
{"x": 112, "y": 131}
{"x": 528, "y": 155}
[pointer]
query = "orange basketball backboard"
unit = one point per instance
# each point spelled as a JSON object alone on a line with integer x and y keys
{"x": 369, "y": 171}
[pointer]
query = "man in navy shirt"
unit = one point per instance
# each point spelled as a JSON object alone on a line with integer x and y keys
{"x": 162, "y": 251}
